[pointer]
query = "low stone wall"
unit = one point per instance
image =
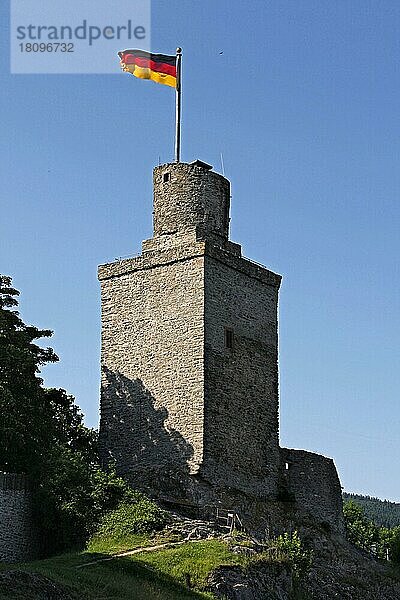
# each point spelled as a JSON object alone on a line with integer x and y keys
{"x": 17, "y": 536}
{"x": 311, "y": 480}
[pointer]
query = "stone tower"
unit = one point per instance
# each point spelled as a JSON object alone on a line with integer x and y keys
{"x": 189, "y": 395}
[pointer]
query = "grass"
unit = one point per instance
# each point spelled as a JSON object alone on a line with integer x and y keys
{"x": 171, "y": 573}
{"x": 111, "y": 544}
{"x": 119, "y": 579}
{"x": 192, "y": 562}
{"x": 160, "y": 575}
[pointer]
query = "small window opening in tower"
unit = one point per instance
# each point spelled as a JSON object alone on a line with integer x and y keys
{"x": 228, "y": 338}
{"x": 166, "y": 177}
{"x": 287, "y": 466}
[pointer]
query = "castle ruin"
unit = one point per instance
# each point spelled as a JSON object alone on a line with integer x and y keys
{"x": 189, "y": 391}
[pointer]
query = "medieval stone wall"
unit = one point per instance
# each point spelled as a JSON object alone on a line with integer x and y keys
{"x": 152, "y": 404}
{"x": 17, "y": 534}
{"x": 241, "y": 383}
{"x": 313, "y": 481}
{"x": 152, "y": 370}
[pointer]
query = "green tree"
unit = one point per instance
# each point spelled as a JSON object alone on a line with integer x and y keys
{"x": 43, "y": 435}
{"x": 394, "y": 545}
{"x": 23, "y": 404}
{"x": 360, "y": 531}
{"x": 73, "y": 496}
{"x": 369, "y": 537}
{"x": 381, "y": 512}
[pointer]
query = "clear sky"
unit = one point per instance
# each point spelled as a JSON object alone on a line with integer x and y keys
{"x": 304, "y": 104}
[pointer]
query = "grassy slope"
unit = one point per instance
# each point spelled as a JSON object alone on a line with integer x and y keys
{"x": 158, "y": 575}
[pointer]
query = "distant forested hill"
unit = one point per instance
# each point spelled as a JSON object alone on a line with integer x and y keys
{"x": 381, "y": 512}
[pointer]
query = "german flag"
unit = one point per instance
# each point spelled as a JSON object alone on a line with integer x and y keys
{"x": 160, "y": 68}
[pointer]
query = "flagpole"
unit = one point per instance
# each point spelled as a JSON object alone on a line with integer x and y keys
{"x": 178, "y": 106}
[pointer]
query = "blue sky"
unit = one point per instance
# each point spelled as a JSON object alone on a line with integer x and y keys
{"x": 304, "y": 105}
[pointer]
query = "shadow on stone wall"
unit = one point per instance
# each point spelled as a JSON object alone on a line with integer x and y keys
{"x": 134, "y": 436}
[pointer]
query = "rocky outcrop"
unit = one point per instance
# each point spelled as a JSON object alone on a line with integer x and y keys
{"x": 261, "y": 582}
{"x": 339, "y": 572}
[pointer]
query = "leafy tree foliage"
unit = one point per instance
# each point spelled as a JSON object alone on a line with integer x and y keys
{"x": 292, "y": 548}
{"x": 23, "y": 404}
{"x": 139, "y": 515}
{"x": 381, "y": 512}
{"x": 381, "y": 542}
{"x": 394, "y": 545}
{"x": 73, "y": 497}
{"x": 42, "y": 434}
{"x": 360, "y": 531}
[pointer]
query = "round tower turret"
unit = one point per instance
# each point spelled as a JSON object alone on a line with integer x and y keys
{"x": 190, "y": 196}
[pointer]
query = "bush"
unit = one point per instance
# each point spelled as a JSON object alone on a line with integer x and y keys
{"x": 300, "y": 558}
{"x": 142, "y": 516}
{"x": 288, "y": 548}
{"x": 73, "y": 498}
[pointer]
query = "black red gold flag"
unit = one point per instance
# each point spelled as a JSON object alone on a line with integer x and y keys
{"x": 160, "y": 68}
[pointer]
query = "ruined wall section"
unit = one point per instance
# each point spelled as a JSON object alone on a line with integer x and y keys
{"x": 18, "y": 539}
{"x": 312, "y": 481}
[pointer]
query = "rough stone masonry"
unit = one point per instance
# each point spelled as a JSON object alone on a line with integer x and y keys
{"x": 189, "y": 392}
{"x": 18, "y": 536}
